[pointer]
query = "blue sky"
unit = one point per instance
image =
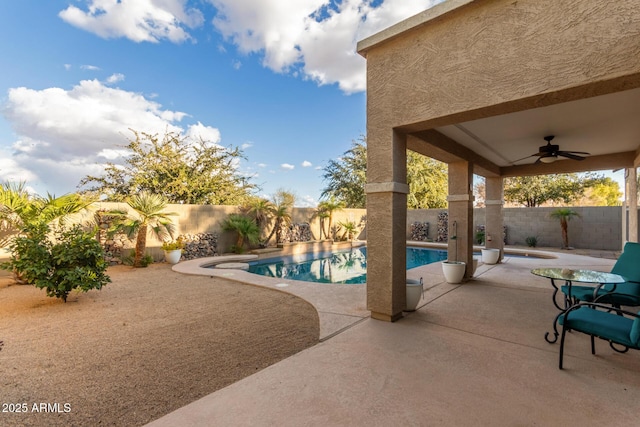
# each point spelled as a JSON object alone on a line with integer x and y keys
{"x": 280, "y": 79}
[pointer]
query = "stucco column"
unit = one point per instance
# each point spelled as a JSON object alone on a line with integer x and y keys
{"x": 632, "y": 180}
{"x": 461, "y": 213}
{"x": 494, "y": 218}
{"x": 386, "y": 227}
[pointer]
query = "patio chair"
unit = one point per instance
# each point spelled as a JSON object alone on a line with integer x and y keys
{"x": 622, "y": 294}
{"x": 614, "y": 325}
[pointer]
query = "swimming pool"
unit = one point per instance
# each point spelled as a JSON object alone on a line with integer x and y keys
{"x": 344, "y": 267}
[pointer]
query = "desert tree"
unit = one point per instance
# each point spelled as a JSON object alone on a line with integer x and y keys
{"x": 181, "y": 169}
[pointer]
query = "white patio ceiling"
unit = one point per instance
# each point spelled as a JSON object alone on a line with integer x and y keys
{"x": 601, "y": 125}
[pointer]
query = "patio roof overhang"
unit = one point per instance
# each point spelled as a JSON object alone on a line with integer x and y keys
{"x": 478, "y": 84}
{"x": 596, "y": 114}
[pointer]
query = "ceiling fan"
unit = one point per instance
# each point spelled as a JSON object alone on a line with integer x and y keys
{"x": 549, "y": 153}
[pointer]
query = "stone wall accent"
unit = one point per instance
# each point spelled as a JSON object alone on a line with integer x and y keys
{"x": 420, "y": 231}
{"x": 199, "y": 245}
{"x": 443, "y": 227}
{"x": 114, "y": 246}
{"x": 296, "y": 233}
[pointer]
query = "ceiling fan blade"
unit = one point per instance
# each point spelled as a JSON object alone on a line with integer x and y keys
{"x": 570, "y": 155}
{"x": 516, "y": 161}
{"x": 576, "y": 152}
{"x": 553, "y": 151}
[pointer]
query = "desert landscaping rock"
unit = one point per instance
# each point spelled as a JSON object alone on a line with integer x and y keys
{"x": 148, "y": 343}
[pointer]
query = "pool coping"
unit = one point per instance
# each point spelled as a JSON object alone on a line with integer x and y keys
{"x": 339, "y": 306}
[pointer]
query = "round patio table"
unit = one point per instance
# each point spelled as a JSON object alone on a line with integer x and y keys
{"x": 569, "y": 276}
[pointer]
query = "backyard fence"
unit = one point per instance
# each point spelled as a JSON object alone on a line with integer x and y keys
{"x": 595, "y": 228}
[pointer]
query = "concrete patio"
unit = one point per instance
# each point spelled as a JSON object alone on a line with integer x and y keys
{"x": 472, "y": 354}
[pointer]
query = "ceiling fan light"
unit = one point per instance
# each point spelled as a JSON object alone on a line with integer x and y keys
{"x": 548, "y": 159}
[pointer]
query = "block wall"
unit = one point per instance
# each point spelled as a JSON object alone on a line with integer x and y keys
{"x": 596, "y": 228}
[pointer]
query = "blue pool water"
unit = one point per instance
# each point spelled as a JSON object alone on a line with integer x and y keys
{"x": 347, "y": 267}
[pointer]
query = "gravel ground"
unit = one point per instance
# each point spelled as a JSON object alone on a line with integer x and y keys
{"x": 146, "y": 344}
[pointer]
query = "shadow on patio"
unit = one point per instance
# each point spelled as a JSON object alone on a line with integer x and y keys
{"x": 474, "y": 354}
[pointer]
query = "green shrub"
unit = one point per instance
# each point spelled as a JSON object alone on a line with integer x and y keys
{"x": 237, "y": 249}
{"x": 129, "y": 259}
{"x": 480, "y": 237}
{"x": 73, "y": 259}
{"x": 532, "y": 241}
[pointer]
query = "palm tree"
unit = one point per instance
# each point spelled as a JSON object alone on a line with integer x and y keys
{"x": 261, "y": 210}
{"x": 564, "y": 215}
{"x": 329, "y": 207}
{"x": 282, "y": 203}
{"x": 18, "y": 208}
{"x": 349, "y": 228}
{"x": 322, "y": 216}
{"x": 13, "y": 202}
{"x": 148, "y": 217}
{"x": 282, "y": 217}
{"x": 245, "y": 227}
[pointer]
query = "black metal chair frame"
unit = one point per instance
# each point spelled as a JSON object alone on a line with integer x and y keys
{"x": 593, "y": 305}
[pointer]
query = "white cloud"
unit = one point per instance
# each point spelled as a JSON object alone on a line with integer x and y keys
{"x": 306, "y": 164}
{"x": 315, "y": 38}
{"x": 89, "y": 67}
{"x": 272, "y": 26}
{"x": 10, "y": 170}
{"x": 140, "y": 20}
{"x": 206, "y": 133}
{"x": 287, "y": 166}
{"x": 79, "y": 120}
{"x": 307, "y": 202}
{"x": 64, "y": 135}
{"x": 111, "y": 154}
{"x": 115, "y": 78}
{"x": 246, "y": 145}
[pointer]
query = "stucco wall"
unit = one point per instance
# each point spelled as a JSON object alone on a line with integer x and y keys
{"x": 193, "y": 219}
{"x": 476, "y": 56}
{"x": 596, "y": 228}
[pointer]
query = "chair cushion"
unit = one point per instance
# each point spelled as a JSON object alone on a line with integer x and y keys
{"x": 627, "y": 264}
{"x": 635, "y": 331}
{"x": 630, "y": 291}
{"x": 602, "y": 324}
{"x": 582, "y": 293}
